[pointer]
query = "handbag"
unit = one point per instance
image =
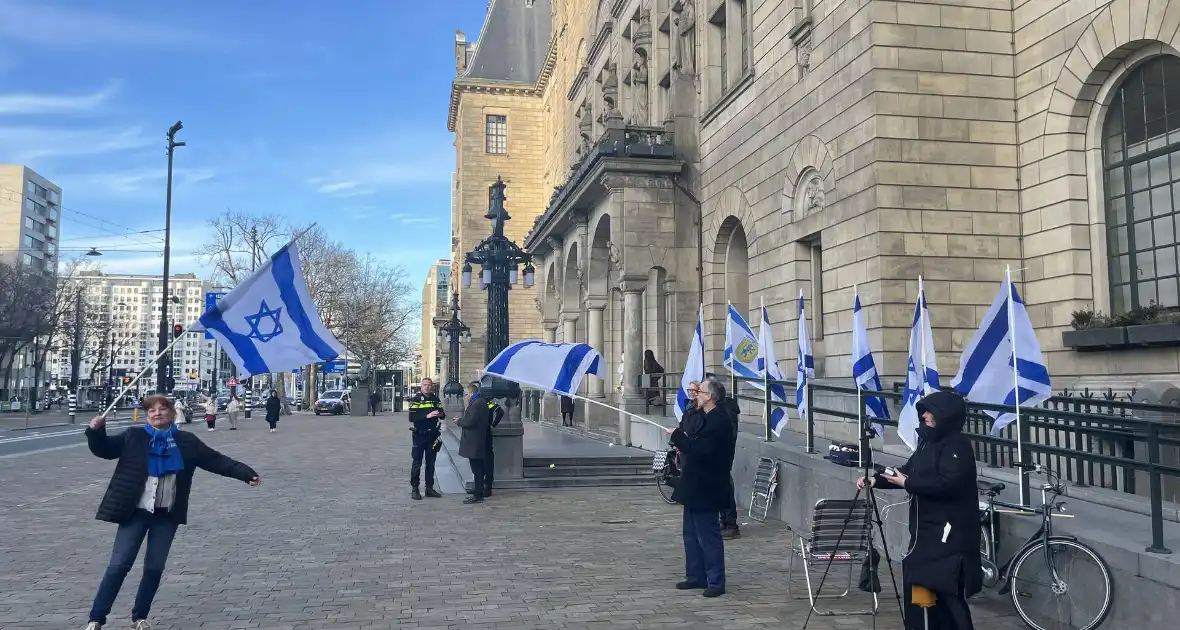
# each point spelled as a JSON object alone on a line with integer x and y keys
{"x": 847, "y": 454}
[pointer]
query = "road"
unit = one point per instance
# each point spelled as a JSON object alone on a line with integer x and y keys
{"x": 332, "y": 541}
{"x": 46, "y": 438}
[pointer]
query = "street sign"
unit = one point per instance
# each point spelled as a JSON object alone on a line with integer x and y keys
{"x": 334, "y": 367}
{"x": 211, "y": 299}
{"x": 231, "y": 382}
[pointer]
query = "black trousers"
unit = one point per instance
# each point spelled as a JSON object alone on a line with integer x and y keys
{"x": 729, "y": 515}
{"x": 564, "y": 421}
{"x": 423, "y": 450}
{"x": 950, "y": 612}
{"x": 477, "y": 471}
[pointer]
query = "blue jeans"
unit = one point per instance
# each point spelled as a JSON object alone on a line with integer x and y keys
{"x": 159, "y": 529}
{"x": 704, "y": 551}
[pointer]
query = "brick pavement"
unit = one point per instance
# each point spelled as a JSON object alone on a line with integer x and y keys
{"x": 331, "y": 540}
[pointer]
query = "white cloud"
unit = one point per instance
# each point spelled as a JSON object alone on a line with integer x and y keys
{"x": 14, "y": 103}
{"x": 28, "y": 145}
{"x": 39, "y": 22}
{"x": 419, "y": 220}
{"x": 336, "y": 187}
{"x": 131, "y": 182}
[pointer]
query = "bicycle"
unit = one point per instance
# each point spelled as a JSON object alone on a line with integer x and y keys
{"x": 666, "y": 468}
{"x": 1019, "y": 575}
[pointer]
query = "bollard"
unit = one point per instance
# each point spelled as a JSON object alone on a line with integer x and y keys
{"x": 135, "y": 416}
{"x": 73, "y": 403}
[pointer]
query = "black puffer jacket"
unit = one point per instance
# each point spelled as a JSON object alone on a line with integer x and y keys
{"x": 941, "y": 482}
{"x": 130, "y": 447}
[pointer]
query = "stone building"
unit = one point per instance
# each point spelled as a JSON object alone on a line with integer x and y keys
{"x": 436, "y": 305}
{"x": 495, "y": 114}
{"x": 742, "y": 151}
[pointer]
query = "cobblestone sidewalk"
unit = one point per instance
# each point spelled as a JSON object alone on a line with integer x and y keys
{"x": 331, "y": 540}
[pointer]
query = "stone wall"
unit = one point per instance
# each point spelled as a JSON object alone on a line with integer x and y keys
{"x": 521, "y": 169}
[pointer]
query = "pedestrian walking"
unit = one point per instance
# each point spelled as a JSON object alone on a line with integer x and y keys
{"x": 706, "y": 447}
{"x": 374, "y": 402}
{"x": 273, "y": 407}
{"x": 426, "y": 413}
{"x": 211, "y": 413}
{"x": 567, "y": 411}
{"x": 232, "y": 408}
{"x": 148, "y": 498}
{"x": 475, "y": 422}
{"x": 943, "y": 552}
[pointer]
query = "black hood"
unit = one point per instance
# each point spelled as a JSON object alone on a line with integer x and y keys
{"x": 948, "y": 408}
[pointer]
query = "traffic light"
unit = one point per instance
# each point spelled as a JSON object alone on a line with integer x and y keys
{"x": 126, "y": 380}
{"x": 177, "y": 331}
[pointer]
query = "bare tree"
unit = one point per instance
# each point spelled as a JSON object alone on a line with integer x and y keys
{"x": 379, "y": 316}
{"x": 59, "y": 313}
{"x": 25, "y": 298}
{"x": 241, "y": 242}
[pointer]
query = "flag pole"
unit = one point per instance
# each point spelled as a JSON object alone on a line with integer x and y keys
{"x": 765, "y": 370}
{"x": 807, "y": 426}
{"x": 860, "y": 406}
{"x": 922, "y": 333}
{"x": 583, "y": 398}
{"x": 1015, "y": 376}
{"x": 128, "y": 386}
{"x": 728, "y": 340}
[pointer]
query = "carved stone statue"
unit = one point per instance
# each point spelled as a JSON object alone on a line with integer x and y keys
{"x": 813, "y": 196}
{"x": 687, "y": 38}
{"x": 586, "y": 128}
{"x": 805, "y": 57}
{"x": 610, "y": 95}
{"x": 581, "y": 279}
{"x": 616, "y": 257}
{"x": 639, "y": 93}
{"x": 538, "y": 303}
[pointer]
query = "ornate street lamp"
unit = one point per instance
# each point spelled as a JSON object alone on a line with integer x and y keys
{"x": 452, "y": 332}
{"x": 498, "y": 258}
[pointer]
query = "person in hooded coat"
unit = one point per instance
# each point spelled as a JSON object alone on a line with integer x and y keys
{"x": 729, "y": 516}
{"x": 943, "y": 554}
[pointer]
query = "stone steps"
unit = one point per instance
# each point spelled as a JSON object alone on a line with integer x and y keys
{"x": 560, "y": 470}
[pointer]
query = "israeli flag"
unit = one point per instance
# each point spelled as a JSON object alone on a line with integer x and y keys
{"x": 268, "y": 323}
{"x": 741, "y": 347}
{"x": 694, "y": 365}
{"x": 864, "y": 368}
{"x": 554, "y": 367}
{"x": 1002, "y": 364}
{"x": 806, "y": 363}
{"x": 921, "y": 372}
{"x": 768, "y": 366}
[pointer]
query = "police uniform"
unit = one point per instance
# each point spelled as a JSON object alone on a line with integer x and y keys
{"x": 426, "y": 431}
{"x": 489, "y": 458}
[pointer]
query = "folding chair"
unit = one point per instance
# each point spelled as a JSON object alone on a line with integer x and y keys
{"x": 765, "y": 483}
{"x": 839, "y": 538}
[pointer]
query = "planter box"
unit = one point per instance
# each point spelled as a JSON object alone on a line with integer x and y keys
{"x": 1154, "y": 335}
{"x": 1095, "y": 339}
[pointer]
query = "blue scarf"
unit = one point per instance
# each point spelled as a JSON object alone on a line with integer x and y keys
{"x": 163, "y": 454}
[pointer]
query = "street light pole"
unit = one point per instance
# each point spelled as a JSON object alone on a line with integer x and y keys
{"x": 161, "y": 378}
{"x": 499, "y": 258}
{"x": 453, "y": 331}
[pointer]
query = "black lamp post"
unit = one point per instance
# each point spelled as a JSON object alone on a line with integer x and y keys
{"x": 499, "y": 259}
{"x": 452, "y": 332}
{"x": 161, "y": 377}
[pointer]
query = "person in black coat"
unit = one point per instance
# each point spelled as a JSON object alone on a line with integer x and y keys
{"x": 273, "y": 407}
{"x": 943, "y": 554}
{"x": 148, "y": 498}
{"x": 475, "y": 423}
{"x": 729, "y": 516}
{"x": 706, "y": 444}
{"x": 567, "y": 411}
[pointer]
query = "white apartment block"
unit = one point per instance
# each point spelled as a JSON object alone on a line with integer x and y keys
{"x": 30, "y": 213}
{"x": 133, "y": 302}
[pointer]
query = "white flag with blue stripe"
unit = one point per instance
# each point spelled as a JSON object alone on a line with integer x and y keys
{"x": 1002, "y": 364}
{"x": 553, "y": 367}
{"x": 768, "y": 365}
{"x": 806, "y": 363}
{"x": 694, "y": 365}
{"x": 741, "y": 347}
{"x": 864, "y": 368}
{"x": 921, "y": 376}
{"x": 268, "y": 323}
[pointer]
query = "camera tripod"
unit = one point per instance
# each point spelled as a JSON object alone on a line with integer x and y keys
{"x": 874, "y": 514}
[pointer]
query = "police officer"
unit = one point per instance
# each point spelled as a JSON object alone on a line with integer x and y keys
{"x": 489, "y": 458}
{"x": 426, "y": 412}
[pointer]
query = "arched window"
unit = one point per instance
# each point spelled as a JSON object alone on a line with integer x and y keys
{"x": 1141, "y": 154}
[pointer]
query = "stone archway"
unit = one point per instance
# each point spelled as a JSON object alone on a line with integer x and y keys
{"x": 573, "y": 278}
{"x": 551, "y": 301}
{"x": 604, "y": 266}
{"x": 728, "y": 209}
{"x": 733, "y": 252}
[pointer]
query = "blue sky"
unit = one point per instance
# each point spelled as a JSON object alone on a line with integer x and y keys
{"x": 325, "y": 111}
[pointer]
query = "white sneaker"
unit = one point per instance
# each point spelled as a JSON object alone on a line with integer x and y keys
{"x": 94, "y": 625}
{"x": 210, "y": 430}
{"x": 142, "y": 624}
{"x": 272, "y": 430}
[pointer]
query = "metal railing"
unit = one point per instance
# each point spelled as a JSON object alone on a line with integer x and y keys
{"x": 1096, "y": 441}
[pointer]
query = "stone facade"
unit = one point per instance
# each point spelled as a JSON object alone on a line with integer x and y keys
{"x": 436, "y": 307}
{"x": 480, "y": 91}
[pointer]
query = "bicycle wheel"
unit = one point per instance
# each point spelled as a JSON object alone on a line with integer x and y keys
{"x": 1080, "y": 597}
{"x": 662, "y": 484}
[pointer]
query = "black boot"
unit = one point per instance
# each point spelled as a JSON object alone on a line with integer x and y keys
{"x": 433, "y": 494}
{"x": 415, "y": 495}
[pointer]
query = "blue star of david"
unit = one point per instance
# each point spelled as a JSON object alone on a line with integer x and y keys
{"x": 265, "y": 313}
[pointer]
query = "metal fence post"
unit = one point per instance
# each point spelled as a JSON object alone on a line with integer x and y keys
{"x": 809, "y": 446}
{"x": 1024, "y": 456}
{"x": 1156, "y": 488}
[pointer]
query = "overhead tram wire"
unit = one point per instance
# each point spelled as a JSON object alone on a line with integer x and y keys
{"x": 19, "y": 196}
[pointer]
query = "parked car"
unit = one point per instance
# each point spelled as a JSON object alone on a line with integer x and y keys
{"x": 332, "y": 402}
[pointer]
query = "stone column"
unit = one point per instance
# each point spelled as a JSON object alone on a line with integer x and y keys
{"x": 569, "y": 327}
{"x": 550, "y": 331}
{"x": 632, "y": 354}
{"x": 594, "y": 336}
